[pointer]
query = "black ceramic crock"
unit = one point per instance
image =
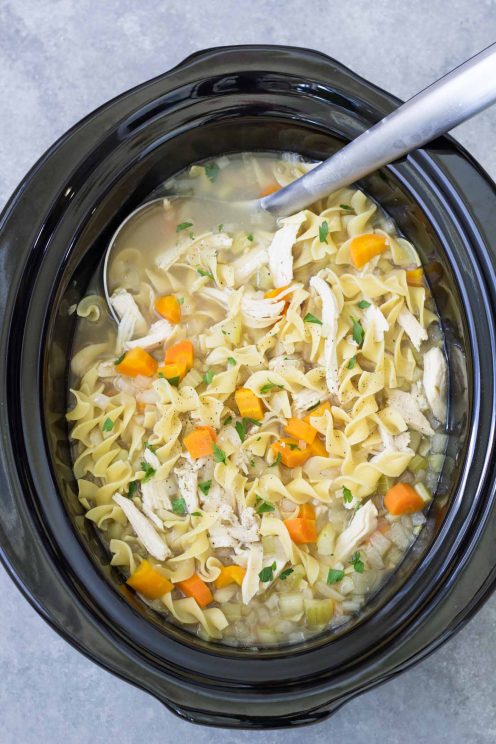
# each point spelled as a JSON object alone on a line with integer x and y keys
{"x": 52, "y": 236}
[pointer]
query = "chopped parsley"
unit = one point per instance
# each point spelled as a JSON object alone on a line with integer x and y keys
{"x": 309, "y": 318}
{"x": 334, "y": 576}
{"x": 270, "y": 386}
{"x": 347, "y": 495}
{"x": 212, "y": 171}
{"x": 108, "y": 424}
{"x": 149, "y": 471}
{"x": 240, "y": 427}
{"x": 121, "y": 358}
{"x": 151, "y": 447}
{"x": 205, "y": 487}
{"x": 315, "y": 405}
{"x": 323, "y": 231}
{"x": 227, "y": 420}
{"x": 358, "y": 332}
{"x": 363, "y": 304}
{"x": 262, "y": 506}
{"x": 276, "y": 461}
{"x": 293, "y": 446}
{"x": 232, "y": 361}
{"x": 203, "y": 272}
{"x": 250, "y": 237}
{"x": 208, "y": 376}
{"x": 351, "y": 364}
{"x": 219, "y": 454}
{"x": 132, "y": 488}
{"x": 220, "y": 227}
{"x": 183, "y": 226}
{"x": 252, "y": 421}
{"x": 191, "y": 235}
{"x": 196, "y": 514}
{"x": 357, "y": 563}
{"x": 345, "y": 206}
{"x": 267, "y": 573}
{"x": 287, "y": 572}
{"x": 174, "y": 381}
{"x": 178, "y": 506}
{"x": 180, "y": 300}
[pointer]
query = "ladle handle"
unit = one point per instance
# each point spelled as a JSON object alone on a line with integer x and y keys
{"x": 449, "y": 101}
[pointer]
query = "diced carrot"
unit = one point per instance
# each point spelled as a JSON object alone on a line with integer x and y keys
{"x": 200, "y": 442}
{"x": 275, "y": 292}
{"x": 230, "y": 575}
{"x": 136, "y": 362}
{"x": 149, "y": 582}
{"x": 319, "y": 411}
{"x": 270, "y": 189}
{"x": 318, "y": 448}
{"x": 196, "y": 588}
{"x": 403, "y": 499}
{"x": 301, "y": 530}
{"x": 300, "y": 430}
{"x": 248, "y": 404}
{"x": 182, "y": 352}
{"x": 306, "y": 511}
{"x": 169, "y": 308}
{"x": 415, "y": 277}
{"x": 291, "y": 454}
{"x": 175, "y": 371}
{"x": 365, "y": 247}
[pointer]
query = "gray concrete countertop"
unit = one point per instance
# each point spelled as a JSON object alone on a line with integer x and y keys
{"x": 58, "y": 61}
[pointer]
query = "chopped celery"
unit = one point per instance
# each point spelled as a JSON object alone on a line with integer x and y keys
{"x": 417, "y": 463}
{"x": 293, "y": 580}
{"x": 384, "y": 484}
{"x": 318, "y": 611}
{"x": 290, "y": 604}
{"x": 436, "y": 462}
{"x": 267, "y": 635}
{"x": 232, "y": 611}
{"x": 424, "y": 447}
{"x": 415, "y": 438}
{"x": 424, "y": 493}
{"x": 326, "y": 540}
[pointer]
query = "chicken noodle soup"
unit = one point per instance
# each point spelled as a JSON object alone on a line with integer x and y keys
{"x": 259, "y": 438}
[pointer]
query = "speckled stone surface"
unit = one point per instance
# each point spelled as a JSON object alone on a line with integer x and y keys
{"x": 58, "y": 61}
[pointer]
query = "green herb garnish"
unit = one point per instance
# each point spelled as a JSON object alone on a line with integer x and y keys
{"x": 352, "y": 362}
{"x": 149, "y": 471}
{"x": 191, "y": 235}
{"x": 315, "y": 405}
{"x": 212, "y": 171}
{"x": 183, "y": 226}
{"x": 240, "y": 427}
{"x": 108, "y": 424}
{"x": 357, "y": 563}
{"x": 323, "y": 231}
{"x": 276, "y": 461}
{"x": 232, "y": 361}
{"x": 219, "y": 454}
{"x": 178, "y": 506}
{"x": 132, "y": 488}
{"x": 270, "y": 386}
{"x": 309, "y": 318}
{"x": 252, "y": 421}
{"x": 287, "y": 572}
{"x": 202, "y": 272}
{"x": 196, "y": 514}
{"x": 261, "y": 506}
{"x": 345, "y": 206}
{"x": 180, "y": 300}
{"x": 334, "y": 576}
{"x": 174, "y": 381}
{"x": 121, "y": 358}
{"x": 151, "y": 447}
{"x": 347, "y": 495}
{"x": 227, "y": 420}
{"x": 358, "y": 332}
{"x": 267, "y": 573}
{"x": 220, "y": 227}
{"x": 363, "y": 304}
{"x": 205, "y": 487}
{"x": 208, "y": 376}
{"x": 293, "y": 446}
{"x": 250, "y": 237}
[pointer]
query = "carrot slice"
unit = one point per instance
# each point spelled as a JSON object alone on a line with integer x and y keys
{"x": 175, "y": 371}
{"x": 319, "y": 411}
{"x": 301, "y": 531}
{"x": 291, "y": 454}
{"x": 149, "y": 582}
{"x": 169, "y": 308}
{"x": 318, "y": 448}
{"x": 300, "y": 430}
{"x": 270, "y": 189}
{"x": 365, "y": 247}
{"x": 136, "y": 362}
{"x": 403, "y": 499}
{"x": 200, "y": 442}
{"x": 415, "y": 277}
{"x": 248, "y": 404}
{"x": 275, "y": 292}
{"x": 306, "y": 511}
{"x": 182, "y": 352}
{"x": 230, "y": 575}
{"x": 196, "y": 588}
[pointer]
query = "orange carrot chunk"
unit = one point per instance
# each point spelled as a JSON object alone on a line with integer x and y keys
{"x": 172, "y": 372}
{"x": 415, "y": 277}
{"x": 275, "y": 292}
{"x": 200, "y": 442}
{"x": 318, "y": 448}
{"x": 291, "y": 454}
{"x": 196, "y": 588}
{"x": 365, "y": 247}
{"x": 169, "y": 308}
{"x": 300, "y": 430}
{"x": 136, "y": 362}
{"x": 182, "y": 353}
{"x": 270, "y": 189}
{"x": 403, "y": 499}
{"x": 319, "y": 411}
{"x": 301, "y": 531}
{"x": 306, "y": 511}
{"x": 248, "y": 404}
{"x": 149, "y": 582}
{"x": 230, "y": 575}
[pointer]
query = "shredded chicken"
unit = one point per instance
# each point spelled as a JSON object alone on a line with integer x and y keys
{"x": 330, "y": 313}
{"x": 151, "y": 458}
{"x": 259, "y": 313}
{"x": 158, "y": 333}
{"x": 412, "y": 327}
{"x": 361, "y": 526}
{"x": 408, "y": 407}
{"x": 375, "y": 318}
{"x": 434, "y": 381}
{"x": 281, "y": 254}
{"x": 245, "y": 266}
{"x": 155, "y": 500}
{"x": 144, "y": 529}
{"x": 187, "y": 481}
{"x": 131, "y": 320}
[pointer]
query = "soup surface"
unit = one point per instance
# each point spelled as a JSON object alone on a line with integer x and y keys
{"x": 260, "y": 435}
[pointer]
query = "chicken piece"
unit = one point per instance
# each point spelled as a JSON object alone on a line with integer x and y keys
{"x": 281, "y": 254}
{"x": 408, "y": 408}
{"x": 158, "y": 333}
{"x": 260, "y": 313}
{"x": 434, "y": 381}
{"x": 399, "y": 443}
{"x": 330, "y": 313}
{"x": 412, "y": 327}
{"x": 361, "y": 526}
{"x": 304, "y": 400}
{"x": 144, "y": 529}
{"x": 151, "y": 458}
{"x": 247, "y": 529}
{"x": 187, "y": 481}
{"x": 155, "y": 499}
{"x": 375, "y": 318}
{"x": 131, "y": 320}
{"x": 245, "y": 266}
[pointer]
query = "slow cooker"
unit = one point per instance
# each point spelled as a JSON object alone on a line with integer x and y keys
{"x": 53, "y": 233}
